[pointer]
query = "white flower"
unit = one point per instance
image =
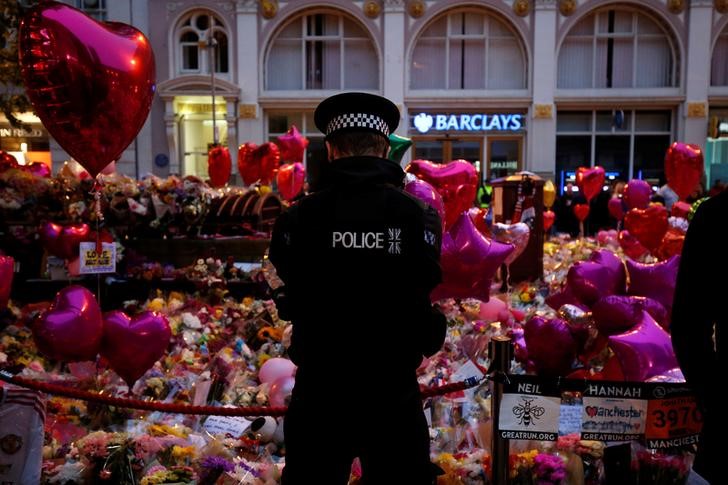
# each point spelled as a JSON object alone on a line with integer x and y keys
{"x": 191, "y": 321}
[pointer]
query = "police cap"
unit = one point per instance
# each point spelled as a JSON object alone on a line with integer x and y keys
{"x": 356, "y": 112}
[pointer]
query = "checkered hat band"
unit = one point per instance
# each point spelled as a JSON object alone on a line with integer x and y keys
{"x": 358, "y": 120}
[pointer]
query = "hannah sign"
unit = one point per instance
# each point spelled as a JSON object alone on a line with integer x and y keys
{"x": 425, "y": 122}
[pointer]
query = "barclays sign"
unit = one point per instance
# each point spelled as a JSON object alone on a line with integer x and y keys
{"x": 425, "y": 122}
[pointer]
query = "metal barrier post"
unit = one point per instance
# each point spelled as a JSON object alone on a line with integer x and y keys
{"x": 501, "y": 353}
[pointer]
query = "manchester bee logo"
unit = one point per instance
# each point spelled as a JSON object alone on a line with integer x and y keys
{"x": 526, "y": 413}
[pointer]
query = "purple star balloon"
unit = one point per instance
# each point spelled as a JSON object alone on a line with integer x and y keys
{"x": 645, "y": 351}
{"x": 469, "y": 261}
{"x": 656, "y": 281}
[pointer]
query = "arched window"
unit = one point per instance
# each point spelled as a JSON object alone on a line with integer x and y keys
{"x": 322, "y": 51}
{"x": 617, "y": 49}
{"x": 468, "y": 50}
{"x": 719, "y": 66}
{"x": 193, "y": 36}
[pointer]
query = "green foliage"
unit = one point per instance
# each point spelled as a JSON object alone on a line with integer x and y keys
{"x": 12, "y": 95}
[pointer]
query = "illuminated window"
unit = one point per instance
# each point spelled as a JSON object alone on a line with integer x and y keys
{"x": 322, "y": 51}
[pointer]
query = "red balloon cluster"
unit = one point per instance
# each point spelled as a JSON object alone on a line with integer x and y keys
{"x": 218, "y": 166}
{"x": 91, "y": 83}
{"x": 456, "y": 182}
{"x": 258, "y": 163}
{"x": 73, "y": 329}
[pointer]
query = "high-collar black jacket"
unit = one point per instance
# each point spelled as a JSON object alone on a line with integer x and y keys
{"x": 699, "y": 309}
{"x": 359, "y": 258}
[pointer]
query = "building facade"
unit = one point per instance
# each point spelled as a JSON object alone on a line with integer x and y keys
{"x": 538, "y": 85}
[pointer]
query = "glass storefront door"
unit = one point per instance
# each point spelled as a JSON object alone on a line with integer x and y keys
{"x": 504, "y": 156}
{"x": 443, "y": 150}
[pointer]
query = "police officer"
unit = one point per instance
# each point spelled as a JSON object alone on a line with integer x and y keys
{"x": 358, "y": 257}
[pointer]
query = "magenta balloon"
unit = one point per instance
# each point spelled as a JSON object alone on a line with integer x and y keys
{"x": 550, "y": 345}
{"x": 280, "y": 391}
{"x": 427, "y": 194}
{"x": 656, "y": 310}
{"x": 637, "y": 194}
{"x": 7, "y": 267}
{"x": 616, "y": 209}
{"x": 645, "y": 351}
{"x": 520, "y": 350}
{"x": 564, "y": 297}
{"x": 133, "y": 345}
{"x": 275, "y": 368}
{"x": 603, "y": 274}
{"x": 516, "y": 234}
{"x": 71, "y": 329}
{"x": 39, "y": 169}
{"x": 469, "y": 261}
{"x": 656, "y": 281}
{"x": 616, "y": 314}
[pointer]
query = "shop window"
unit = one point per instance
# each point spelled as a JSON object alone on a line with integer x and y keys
{"x": 315, "y": 154}
{"x": 719, "y": 67}
{"x": 468, "y": 50}
{"x": 627, "y": 143}
{"x": 617, "y": 49}
{"x": 94, "y": 8}
{"x": 322, "y": 51}
{"x": 194, "y": 34}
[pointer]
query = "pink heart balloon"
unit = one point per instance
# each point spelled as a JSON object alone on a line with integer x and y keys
{"x": 516, "y": 234}
{"x": 133, "y": 345}
{"x": 637, "y": 194}
{"x": 292, "y": 145}
{"x": 456, "y": 182}
{"x": 91, "y": 83}
{"x": 71, "y": 329}
{"x": 616, "y": 208}
{"x": 427, "y": 194}
{"x": 63, "y": 241}
{"x": 7, "y": 267}
{"x": 645, "y": 351}
{"x": 290, "y": 179}
{"x": 469, "y": 261}
{"x": 630, "y": 245}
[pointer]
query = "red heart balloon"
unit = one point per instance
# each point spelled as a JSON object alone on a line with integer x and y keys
{"x": 133, "y": 345}
{"x": 630, "y": 245}
{"x": 581, "y": 211}
{"x": 671, "y": 244}
{"x": 290, "y": 179}
{"x": 456, "y": 182}
{"x": 647, "y": 225}
{"x": 683, "y": 168}
{"x": 71, "y": 328}
{"x": 63, "y": 241}
{"x": 218, "y": 166}
{"x": 258, "y": 163}
{"x": 7, "y": 161}
{"x": 590, "y": 181}
{"x": 91, "y": 83}
{"x": 7, "y": 268}
{"x": 548, "y": 219}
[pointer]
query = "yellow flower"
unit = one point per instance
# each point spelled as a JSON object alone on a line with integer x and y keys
{"x": 184, "y": 452}
{"x": 164, "y": 430}
{"x": 156, "y": 305}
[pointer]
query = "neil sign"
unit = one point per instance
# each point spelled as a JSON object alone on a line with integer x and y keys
{"x": 425, "y": 122}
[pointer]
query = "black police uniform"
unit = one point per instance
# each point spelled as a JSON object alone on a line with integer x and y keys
{"x": 359, "y": 258}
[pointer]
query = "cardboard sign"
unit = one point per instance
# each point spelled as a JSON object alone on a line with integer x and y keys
{"x": 95, "y": 263}
{"x": 234, "y": 426}
{"x": 529, "y": 409}
{"x": 614, "y": 411}
{"x": 673, "y": 417}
